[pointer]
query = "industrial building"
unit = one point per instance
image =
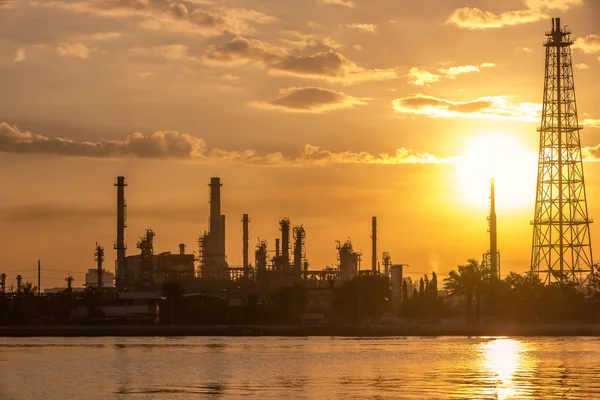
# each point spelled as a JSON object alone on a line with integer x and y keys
{"x": 107, "y": 278}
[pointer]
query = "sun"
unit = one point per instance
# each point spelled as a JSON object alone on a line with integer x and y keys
{"x": 500, "y": 157}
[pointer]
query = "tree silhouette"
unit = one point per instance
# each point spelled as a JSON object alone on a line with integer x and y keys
{"x": 467, "y": 282}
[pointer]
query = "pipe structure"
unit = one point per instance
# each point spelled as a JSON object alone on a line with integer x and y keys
{"x": 245, "y": 221}
{"x": 39, "y": 278}
{"x": 285, "y": 242}
{"x": 495, "y": 271}
{"x": 99, "y": 259}
{"x": 223, "y": 236}
{"x": 215, "y": 221}
{"x": 181, "y": 249}
{"x": 299, "y": 236}
{"x": 277, "y": 242}
{"x": 120, "y": 245}
{"x": 374, "y": 244}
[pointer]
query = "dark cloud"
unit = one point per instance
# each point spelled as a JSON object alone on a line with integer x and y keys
{"x": 173, "y": 145}
{"x": 167, "y": 15}
{"x": 310, "y": 99}
{"x": 162, "y": 144}
{"x": 242, "y": 51}
{"x": 330, "y": 65}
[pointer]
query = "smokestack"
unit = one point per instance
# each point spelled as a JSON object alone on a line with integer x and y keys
{"x": 19, "y": 282}
{"x": 182, "y": 249}
{"x": 277, "y": 241}
{"x": 39, "y": 288}
{"x": 215, "y": 213}
{"x": 121, "y": 225}
{"x": 223, "y": 236}
{"x": 3, "y": 283}
{"x": 374, "y": 245}
{"x": 495, "y": 271}
{"x": 245, "y": 221}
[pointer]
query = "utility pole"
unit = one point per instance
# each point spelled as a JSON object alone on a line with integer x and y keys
{"x": 39, "y": 278}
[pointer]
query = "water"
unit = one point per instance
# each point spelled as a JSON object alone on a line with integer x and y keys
{"x": 299, "y": 368}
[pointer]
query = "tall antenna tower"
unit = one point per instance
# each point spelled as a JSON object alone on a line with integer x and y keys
{"x": 561, "y": 249}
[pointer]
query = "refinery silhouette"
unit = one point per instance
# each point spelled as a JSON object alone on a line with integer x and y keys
{"x": 276, "y": 283}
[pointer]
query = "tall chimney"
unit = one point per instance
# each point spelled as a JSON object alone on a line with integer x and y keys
{"x": 245, "y": 221}
{"x": 39, "y": 287}
{"x": 215, "y": 208}
{"x": 181, "y": 249}
{"x": 19, "y": 282}
{"x": 374, "y": 245}
{"x": 277, "y": 253}
{"x": 285, "y": 242}
{"x": 493, "y": 234}
{"x": 223, "y": 236}
{"x": 121, "y": 225}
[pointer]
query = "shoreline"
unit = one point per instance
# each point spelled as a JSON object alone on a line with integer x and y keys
{"x": 299, "y": 331}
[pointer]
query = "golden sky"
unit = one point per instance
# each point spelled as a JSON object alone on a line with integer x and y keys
{"x": 324, "y": 111}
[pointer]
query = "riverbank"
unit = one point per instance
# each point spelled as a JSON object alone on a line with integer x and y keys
{"x": 300, "y": 331}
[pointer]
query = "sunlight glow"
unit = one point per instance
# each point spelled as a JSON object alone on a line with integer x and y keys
{"x": 502, "y": 359}
{"x": 497, "y": 156}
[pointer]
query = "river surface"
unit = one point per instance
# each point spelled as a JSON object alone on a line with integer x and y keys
{"x": 299, "y": 368}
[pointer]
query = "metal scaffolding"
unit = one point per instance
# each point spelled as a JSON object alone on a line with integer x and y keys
{"x": 561, "y": 249}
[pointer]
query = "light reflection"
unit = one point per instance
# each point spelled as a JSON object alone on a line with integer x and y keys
{"x": 502, "y": 358}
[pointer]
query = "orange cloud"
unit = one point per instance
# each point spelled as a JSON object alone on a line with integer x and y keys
{"x": 77, "y": 50}
{"x": 368, "y": 28}
{"x": 496, "y": 108}
{"x": 329, "y": 65}
{"x": 420, "y": 77}
{"x": 475, "y": 18}
{"x": 172, "y": 145}
{"x": 174, "y": 17}
{"x": 589, "y": 44}
{"x": 346, "y": 3}
{"x": 310, "y": 100}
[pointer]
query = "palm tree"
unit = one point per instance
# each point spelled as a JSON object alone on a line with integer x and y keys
{"x": 468, "y": 282}
{"x": 28, "y": 289}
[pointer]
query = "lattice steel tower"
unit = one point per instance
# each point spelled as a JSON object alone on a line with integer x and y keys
{"x": 561, "y": 250}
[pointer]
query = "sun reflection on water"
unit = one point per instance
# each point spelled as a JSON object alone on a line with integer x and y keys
{"x": 502, "y": 358}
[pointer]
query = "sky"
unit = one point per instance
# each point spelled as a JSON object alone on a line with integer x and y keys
{"x": 328, "y": 112}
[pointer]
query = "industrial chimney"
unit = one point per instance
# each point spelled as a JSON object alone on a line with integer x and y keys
{"x": 374, "y": 244}
{"x": 245, "y": 221}
{"x": 285, "y": 242}
{"x": 121, "y": 225}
